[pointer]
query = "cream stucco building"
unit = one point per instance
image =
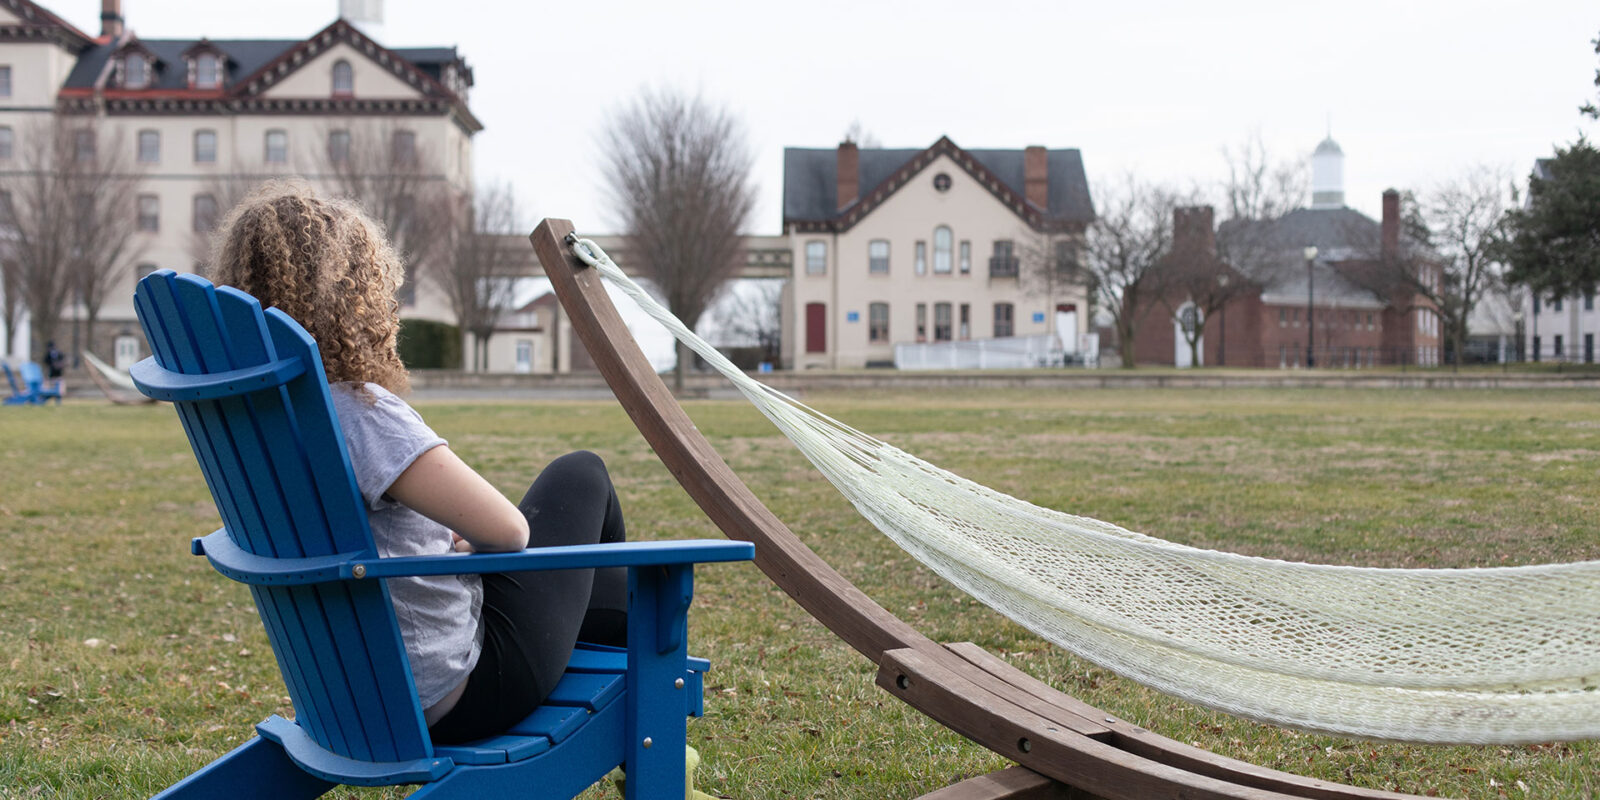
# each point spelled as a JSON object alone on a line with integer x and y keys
{"x": 199, "y": 121}
{"x": 936, "y": 245}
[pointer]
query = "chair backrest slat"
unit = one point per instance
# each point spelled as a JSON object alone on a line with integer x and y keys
{"x": 277, "y": 467}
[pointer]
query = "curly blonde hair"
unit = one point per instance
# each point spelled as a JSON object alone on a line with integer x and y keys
{"x": 325, "y": 263}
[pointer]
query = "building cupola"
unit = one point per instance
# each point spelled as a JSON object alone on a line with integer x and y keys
{"x": 1327, "y": 175}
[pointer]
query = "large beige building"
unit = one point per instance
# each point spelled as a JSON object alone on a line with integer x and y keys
{"x": 943, "y": 244}
{"x": 199, "y": 121}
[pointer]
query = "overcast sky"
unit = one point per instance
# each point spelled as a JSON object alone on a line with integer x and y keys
{"x": 1416, "y": 91}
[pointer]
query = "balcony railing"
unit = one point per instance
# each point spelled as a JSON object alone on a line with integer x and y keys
{"x": 1003, "y": 267}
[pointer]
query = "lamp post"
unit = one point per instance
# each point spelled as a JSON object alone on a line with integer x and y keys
{"x": 1222, "y": 346}
{"x": 1311, "y": 328}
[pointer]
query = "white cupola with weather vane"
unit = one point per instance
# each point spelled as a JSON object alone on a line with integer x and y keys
{"x": 1327, "y": 175}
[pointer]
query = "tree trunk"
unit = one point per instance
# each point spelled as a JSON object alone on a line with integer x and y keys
{"x": 681, "y": 368}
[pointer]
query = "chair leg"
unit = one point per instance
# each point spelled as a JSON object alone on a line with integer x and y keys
{"x": 657, "y": 704}
{"x": 255, "y": 770}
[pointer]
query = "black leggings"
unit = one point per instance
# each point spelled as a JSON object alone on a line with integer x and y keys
{"x": 530, "y": 620}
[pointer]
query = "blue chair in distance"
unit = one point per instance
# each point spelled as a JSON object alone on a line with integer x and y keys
{"x": 33, "y": 390}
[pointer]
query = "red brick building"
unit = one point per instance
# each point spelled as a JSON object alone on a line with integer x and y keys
{"x": 1285, "y": 292}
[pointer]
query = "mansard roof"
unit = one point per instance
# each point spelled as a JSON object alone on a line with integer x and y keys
{"x": 252, "y": 66}
{"x": 810, "y": 183}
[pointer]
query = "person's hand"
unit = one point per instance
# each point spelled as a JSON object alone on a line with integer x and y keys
{"x": 459, "y": 544}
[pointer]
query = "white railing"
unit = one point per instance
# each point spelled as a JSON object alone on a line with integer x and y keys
{"x": 1014, "y": 352}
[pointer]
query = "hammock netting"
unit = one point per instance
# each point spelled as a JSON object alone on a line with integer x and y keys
{"x": 1491, "y": 655}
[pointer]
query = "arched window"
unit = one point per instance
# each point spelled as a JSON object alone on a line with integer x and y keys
{"x": 942, "y": 243}
{"x": 344, "y": 79}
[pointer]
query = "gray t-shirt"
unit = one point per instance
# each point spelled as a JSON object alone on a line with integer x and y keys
{"x": 438, "y": 614}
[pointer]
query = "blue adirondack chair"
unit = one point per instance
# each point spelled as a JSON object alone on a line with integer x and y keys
{"x": 250, "y": 391}
{"x": 36, "y": 392}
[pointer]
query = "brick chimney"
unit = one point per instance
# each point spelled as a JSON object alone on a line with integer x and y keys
{"x": 110, "y": 18}
{"x": 1192, "y": 231}
{"x": 1036, "y": 176}
{"x": 1391, "y": 224}
{"x": 849, "y": 164}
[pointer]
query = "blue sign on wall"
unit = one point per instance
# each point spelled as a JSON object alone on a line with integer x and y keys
{"x": 852, "y": 316}
{"x": 1038, "y": 316}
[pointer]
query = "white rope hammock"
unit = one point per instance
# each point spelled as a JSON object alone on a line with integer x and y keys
{"x": 1495, "y": 655}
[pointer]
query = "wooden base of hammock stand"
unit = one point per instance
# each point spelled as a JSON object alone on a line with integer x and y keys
{"x": 1083, "y": 752}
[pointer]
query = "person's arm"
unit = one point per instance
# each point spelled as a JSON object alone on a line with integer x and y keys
{"x": 441, "y": 487}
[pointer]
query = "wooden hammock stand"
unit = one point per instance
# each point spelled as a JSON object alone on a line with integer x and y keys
{"x": 1065, "y": 747}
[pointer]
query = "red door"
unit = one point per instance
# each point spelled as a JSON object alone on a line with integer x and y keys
{"x": 816, "y": 328}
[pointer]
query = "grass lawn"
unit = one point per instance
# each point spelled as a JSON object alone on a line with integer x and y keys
{"x": 125, "y": 663}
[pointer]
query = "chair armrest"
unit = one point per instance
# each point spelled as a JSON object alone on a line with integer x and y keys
{"x": 621, "y": 554}
{"x": 227, "y": 558}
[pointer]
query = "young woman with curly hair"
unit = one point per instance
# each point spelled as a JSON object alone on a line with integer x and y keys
{"x": 484, "y": 652}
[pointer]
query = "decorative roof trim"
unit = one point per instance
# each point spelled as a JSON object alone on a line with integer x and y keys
{"x": 208, "y": 102}
{"x": 1035, "y": 217}
{"x": 54, "y": 27}
{"x": 340, "y": 31}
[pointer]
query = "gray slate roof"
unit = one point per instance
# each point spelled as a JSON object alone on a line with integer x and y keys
{"x": 1339, "y": 234}
{"x": 245, "y": 56}
{"x": 810, "y": 179}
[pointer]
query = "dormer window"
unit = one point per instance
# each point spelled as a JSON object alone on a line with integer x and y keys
{"x": 344, "y": 79}
{"x": 135, "y": 71}
{"x": 207, "y": 65}
{"x": 207, "y": 72}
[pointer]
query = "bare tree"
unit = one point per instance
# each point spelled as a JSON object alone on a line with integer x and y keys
{"x": 1259, "y": 190}
{"x": 70, "y": 220}
{"x": 10, "y": 284}
{"x": 385, "y": 168}
{"x": 747, "y": 315}
{"x": 1458, "y": 263}
{"x": 1121, "y": 251}
{"x": 105, "y": 226}
{"x": 1051, "y": 264}
{"x": 1199, "y": 282}
{"x": 1260, "y": 186}
{"x": 221, "y": 194}
{"x": 859, "y": 134}
{"x": 678, "y": 174}
{"x": 478, "y": 278}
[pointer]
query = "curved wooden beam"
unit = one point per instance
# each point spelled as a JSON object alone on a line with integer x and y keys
{"x": 965, "y": 688}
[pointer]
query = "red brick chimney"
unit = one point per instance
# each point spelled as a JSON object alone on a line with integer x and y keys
{"x": 111, "y": 18}
{"x": 1036, "y": 176}
{"x": 849, "y": 183}
{"x": 1192, "y": 231}
{"x": 1391, "y": 224}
